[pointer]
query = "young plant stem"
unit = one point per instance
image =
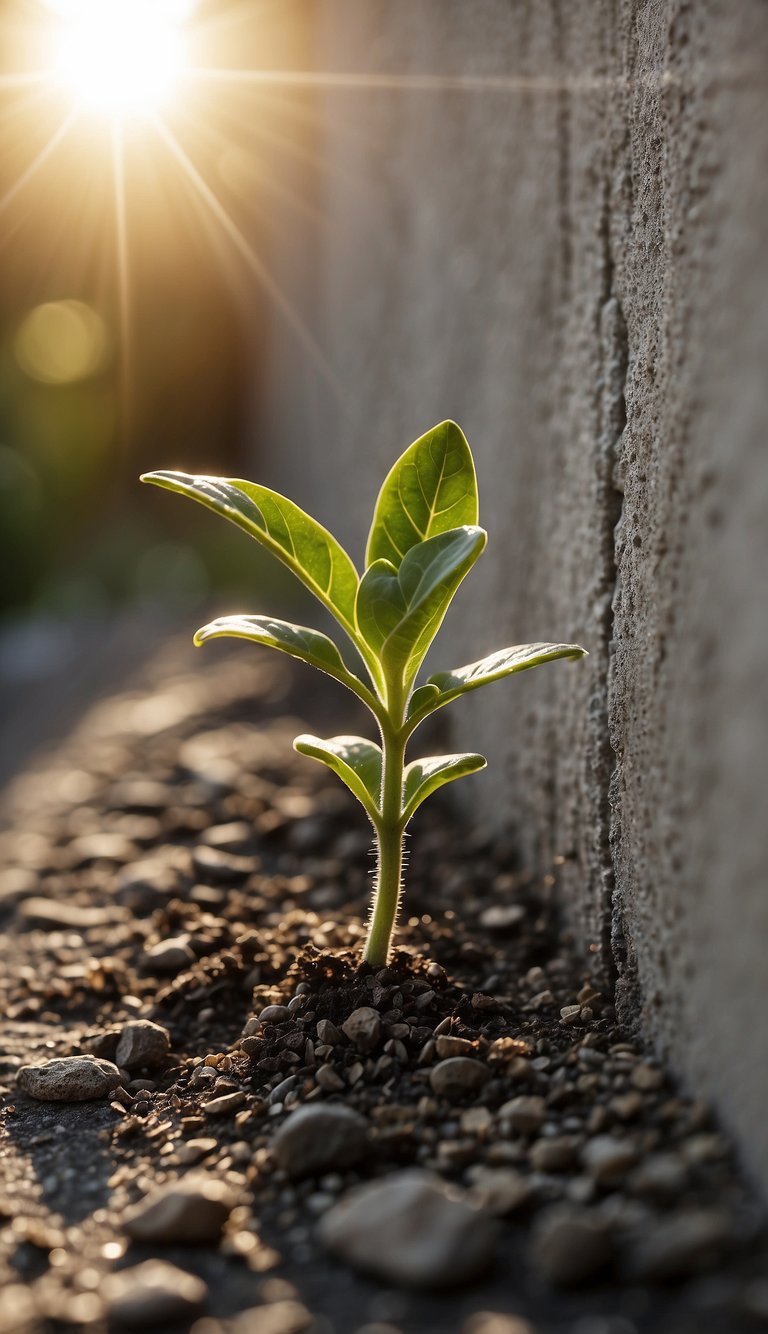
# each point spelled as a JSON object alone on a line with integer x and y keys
{"x": 389, "y": 840}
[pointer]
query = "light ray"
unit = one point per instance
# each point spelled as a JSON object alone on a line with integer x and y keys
{"x": 471, "y": 83}
{"x": 123, "y": 281}
{"x": 38, "y": 161}
{"x": 34, "y": 79}
{"x": 372, "y": 82}
{"x": 248, "y": 254}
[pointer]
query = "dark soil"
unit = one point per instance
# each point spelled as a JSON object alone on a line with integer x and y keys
{"x": 257, "y": 865}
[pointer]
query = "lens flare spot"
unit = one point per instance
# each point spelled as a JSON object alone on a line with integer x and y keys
{"x": 62, "y": 342}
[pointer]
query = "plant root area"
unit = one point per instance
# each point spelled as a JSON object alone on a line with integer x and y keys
{"x": 483, "y": 1150}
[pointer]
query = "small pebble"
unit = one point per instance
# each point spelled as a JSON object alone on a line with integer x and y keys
{"x": 169, "y": 957}
{"x": 678, "y": 1247}
{"x": 142, "y": 1045}
{"x": 446, "y": 1046}
{"x": 194, "y": 1210}
{"x": 525, "y": 1114}
{"x": 275, "y": 1014}
{"x": 502, "y": 917}
{"x": 153, "y": 1294}
{"x": 320, "y": 1138}
{"x": 410, "y": 1229}
{"x": 457, "y": 1077}
{"x": 609, "y": 1160}
{"x": 363, "y": 1028}
{"x": 570, "y": 1246}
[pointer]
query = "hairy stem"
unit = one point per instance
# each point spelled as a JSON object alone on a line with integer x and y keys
{"x": 389, "y": 843}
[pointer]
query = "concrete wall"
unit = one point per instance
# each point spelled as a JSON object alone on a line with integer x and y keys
{"x": 568, "y": 253}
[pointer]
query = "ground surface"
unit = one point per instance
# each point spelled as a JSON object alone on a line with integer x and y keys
{"x": 175, "y": 861}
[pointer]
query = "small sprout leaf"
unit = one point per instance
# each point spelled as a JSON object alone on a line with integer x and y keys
{"x": 296, "y": 539}
{"x": 430, "y": 489}
{"x": 400, "y": 611}
{"x": 422, "y": 701}
{"x": 505, "y": 662}
{"x": 357, "y": 763}
{"x": 423, "y": 777}
{"x": 423, "y": 541}
{"x": 297, "y": 640}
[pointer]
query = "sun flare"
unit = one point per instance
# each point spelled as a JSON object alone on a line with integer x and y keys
{"x": 120, "y": 58}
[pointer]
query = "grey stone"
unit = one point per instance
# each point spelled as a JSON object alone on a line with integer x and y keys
{"x": 274, "y": 1014}
{"x": 501, "y": 1190}
{"x": 142, "y": 1044}
{"x": 502, "y": 917}
{"x": 220, "y": 867}
{"x": 570, "y": 1246}
{"x": 153, "y": 1294}
{"x": 193, "y": 1210}
{"x": 457, "y": 1077}
{"x": 320, "y": 1138}
{"x": 363, "y": 1028}
{"x": 677, "y": 1247}
{"x": 411, "y": 1229}
{"x": 446, "y": 1046}
{"x": 52, "y": 915}
{"x": 556, "y": 1154}
{"x": 69, "y": 1079}
{"x": 169, "y": 957}
{"x": 608, "y": 1159}
{"x": 328, "y": 1032}
{"x": 145, "y": 885}
{"x": 525, "y": 1114}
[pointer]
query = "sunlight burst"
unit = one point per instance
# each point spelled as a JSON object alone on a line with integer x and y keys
{"x": 120, "y": 57}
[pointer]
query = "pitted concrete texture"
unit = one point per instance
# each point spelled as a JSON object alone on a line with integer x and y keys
{"x": 566, "y": 249}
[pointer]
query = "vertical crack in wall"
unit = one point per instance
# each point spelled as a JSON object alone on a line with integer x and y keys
{"x": 563, "y": 125}
{"x": 611, "y": 423}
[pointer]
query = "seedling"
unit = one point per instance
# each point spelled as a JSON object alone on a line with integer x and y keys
{"x": 424, "y": 539}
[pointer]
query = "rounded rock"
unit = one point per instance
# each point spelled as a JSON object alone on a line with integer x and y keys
{"x": 153, "y": 1294}
{"x": 69, "y": 1079}
{"x": 526, "y": 1114}
{"x": 608, "y": 1159}
{"x": 363, "y": 1028}
{"x": 142, "y": 1045}
{"x": 169, "y": 957}
{"x": 191, "y": 1211}
{"x": 275, "y": 1014}
{"x": 319, "y": 1139}
{"x": 571, "y": 1246}
{"x": 457, "y": 1077}
{"x": 412, "y": 1230}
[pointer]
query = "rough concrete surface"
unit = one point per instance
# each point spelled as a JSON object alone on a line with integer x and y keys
{"x": 568, "y": 253}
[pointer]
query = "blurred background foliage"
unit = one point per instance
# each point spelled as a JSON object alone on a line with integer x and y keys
{"x": 130, "y": 335}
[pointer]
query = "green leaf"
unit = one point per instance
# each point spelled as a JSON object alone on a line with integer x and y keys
{"x": 301, "y": 543}
{"x": 504, "y": 662}
{"x": 297, "y": 640}
{"x": 356, "y": 761}
{"x": 400, "y": 611}
{"x": 431, "y": 489}
{"x": 423, "y": 777}
{"x": 423, "y": 698}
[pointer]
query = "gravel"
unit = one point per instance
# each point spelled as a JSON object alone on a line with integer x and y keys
{"x": 566, "y": 1135}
